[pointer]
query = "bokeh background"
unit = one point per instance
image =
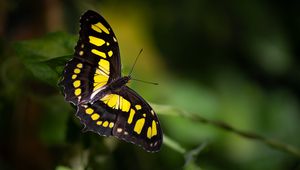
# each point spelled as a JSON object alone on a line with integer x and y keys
{"x": 232, "y": 61}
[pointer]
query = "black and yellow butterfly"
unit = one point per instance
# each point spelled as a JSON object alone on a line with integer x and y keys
{"x": 92, "y": 81}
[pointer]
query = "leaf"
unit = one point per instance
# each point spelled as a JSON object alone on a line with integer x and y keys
{"x": 46, "y": 57}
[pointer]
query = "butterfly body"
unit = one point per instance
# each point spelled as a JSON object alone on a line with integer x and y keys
{"x": 92, "y": 81}
{"x": 113, "y": 87}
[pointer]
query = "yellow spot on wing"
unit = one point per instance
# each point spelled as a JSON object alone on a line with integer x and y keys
{"x": 154, "y": 129}
{"x": 138, "y": 107}
{"x": 89, "y": 111}
{"x": 76, "y": 83}
{"x": 111, "y": 124}
{"x": 131, "y": 115}
{"x": 125, "y": 105}
{"x": 95, "y": 28}
{"x": 76, "y": 70}
{"x": 113, "y": 101}
{"x": 74, "y": 76}
{"x": 80, "y": 53}
{"x": 110, "y": 53}
{"x": 149, "y": 133}
{"x": 99, "y": 122}
{"x": 105, "y": 124}
{"x": 95, "y": 116}
{"x": 79, "y": 65}
{"x": 99, "y": 53}
{"x": 104, "y": 66}
{"x": 77, "y": 92}
{"x": 139, "y": 125}
{"x": 106, "y": 98}
{"x": 96, "y": 41}
{"x": 102, "y": 27}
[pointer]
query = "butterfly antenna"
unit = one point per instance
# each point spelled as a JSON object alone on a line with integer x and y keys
{"x": 143, "y": 81}
{"x": 137, "y": 57}
{"x": 135, "y": 62}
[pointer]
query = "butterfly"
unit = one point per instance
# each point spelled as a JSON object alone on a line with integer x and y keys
{"x": 92, "y": 81}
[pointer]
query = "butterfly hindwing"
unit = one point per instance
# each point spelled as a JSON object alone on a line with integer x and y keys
{"x": 98, "y": 58}
{"x": 96, "y": 118}
{"x": 123, "y": 114}
{"x": 136, "y": 121}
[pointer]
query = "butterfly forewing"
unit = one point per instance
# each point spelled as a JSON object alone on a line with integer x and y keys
{"x": 96, "y": 60}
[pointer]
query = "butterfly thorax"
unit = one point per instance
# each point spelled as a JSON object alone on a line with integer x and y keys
{"x": 118, "y": 83}
{"x": 113, "y": 86}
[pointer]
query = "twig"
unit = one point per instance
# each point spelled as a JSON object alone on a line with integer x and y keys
{"x": 248, "y": 135}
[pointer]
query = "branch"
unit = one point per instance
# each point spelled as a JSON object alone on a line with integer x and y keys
{"x": 280, "y": 146}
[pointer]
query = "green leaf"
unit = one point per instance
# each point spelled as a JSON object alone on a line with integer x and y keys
{"x": 46, "y": 57}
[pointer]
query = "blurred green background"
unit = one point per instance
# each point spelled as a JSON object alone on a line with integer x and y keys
{"x": 231, "y": 61}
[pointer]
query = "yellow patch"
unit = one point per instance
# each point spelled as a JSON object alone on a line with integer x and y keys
{"x": 95, "y": 28}
{"x": 77, "y": 92}
{"x": 99, "y": 81}
{"x": 76, "y": 70}
{"x": 115, "y": 40}
{"x": 82, "y": 45}
{"x": 76, "y": 83}
{"x": 107, "y": 43}
{"x": 139, "y": 125}
{"x": 102, "y": 27}
{"x": 99, "y": 122}
{"x": 96, "y": 41}
{"x": 125, "y": 105}
{"x": 138, "y": 107}
{"x": 149, "y": 133}
{"x": 106, "y": 98}
{"x": 111, "y": 124}
{"x": 104, "y": 66}
{"x": 79, "y": 65}
{"x": 99, "y": 53}
{"x": 144, "y": 114}
{"x": 131, "y": 115}
{"x": 105, "y": 124}
{"x": 95, "y": 116}
{"x": 98, "y": 86}
{"x": 89, "y": 111}
{"x": 74, "y": 76}
{"x": 117, "y": 102}
{"x": 110, "y": 53}
{"x": 80, "y": 53}
{"x": 113, "y": 101}
{"x": 154, "y": 129}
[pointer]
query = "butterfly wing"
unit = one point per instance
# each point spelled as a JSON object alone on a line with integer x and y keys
{"x": 140, "y": 124}
{"x": 126, "y": 115}
{"x": 96, "y": 60}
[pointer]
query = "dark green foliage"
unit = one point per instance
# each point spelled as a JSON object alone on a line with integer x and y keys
{"x": 46, "y": 57}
